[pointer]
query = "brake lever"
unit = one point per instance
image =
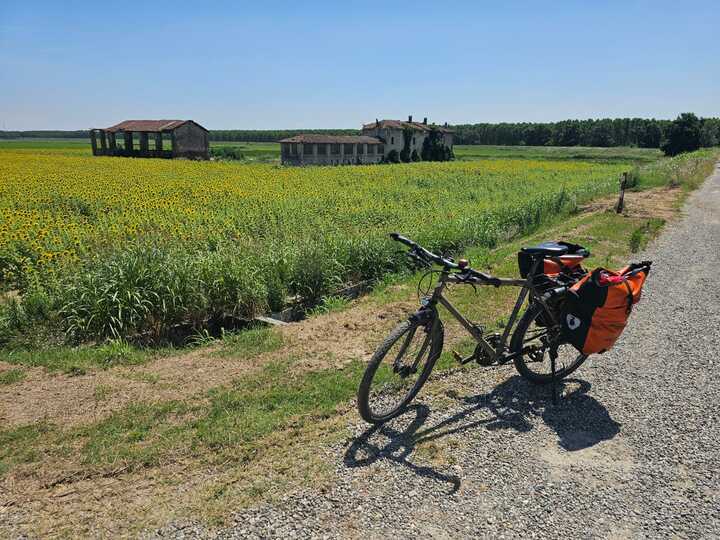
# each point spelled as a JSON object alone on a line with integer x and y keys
{"x": 466, "y": 278}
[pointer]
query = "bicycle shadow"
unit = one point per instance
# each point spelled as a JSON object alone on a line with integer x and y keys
{"x": 579, "y": 421}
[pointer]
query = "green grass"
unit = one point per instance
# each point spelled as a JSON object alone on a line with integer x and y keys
{"x": 275, "y": 398}
{"x": 237, "y": 417}
{"x": 613, "y": 154}
{"x": 247, "y": 343}
{"x": 140, "y": 435}
{"x": 269, "y": 152}
{"x": 329, "y": 304}
{"x": 21, "y": 445}
{"x": 252, "y": 151}
{"x": 78, "y": 360}
{"x": 643, "y": 234}
{"x": 11, "y": 376}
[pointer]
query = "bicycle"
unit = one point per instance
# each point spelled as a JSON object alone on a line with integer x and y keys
{"x": 536, "y": 346}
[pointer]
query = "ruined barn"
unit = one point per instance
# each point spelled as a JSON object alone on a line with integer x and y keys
{"x": 153, "y": 139}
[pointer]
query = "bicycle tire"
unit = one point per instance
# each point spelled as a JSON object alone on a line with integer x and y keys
{"x": 521, "y": 361}
{"x": 436, "y": 336}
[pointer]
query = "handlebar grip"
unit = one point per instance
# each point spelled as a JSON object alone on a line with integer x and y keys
{"x": 403, "y": 240}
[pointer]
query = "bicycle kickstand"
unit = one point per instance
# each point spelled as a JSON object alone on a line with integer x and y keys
{"x": 553, "y": 357}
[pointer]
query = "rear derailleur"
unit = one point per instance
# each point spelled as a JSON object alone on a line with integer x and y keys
{"x": 536, "y": 353}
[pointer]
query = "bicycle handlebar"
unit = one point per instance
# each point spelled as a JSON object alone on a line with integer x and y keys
{"x": 418, "y": 251}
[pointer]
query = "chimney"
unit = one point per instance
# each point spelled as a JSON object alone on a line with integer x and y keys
{"x": 425, "y": 120}
{"x": 410, "y": 118}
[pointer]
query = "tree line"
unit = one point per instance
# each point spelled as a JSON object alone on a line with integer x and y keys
{"x": 272, "y": 135}
{"x": 46, "y": 134}
{"x": 640, "y": 132}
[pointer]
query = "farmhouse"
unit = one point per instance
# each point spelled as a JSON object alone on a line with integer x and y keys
{"x": 152, "y": 138}
{"x": 391, "y": 131}
{"x": 377, "y": 141}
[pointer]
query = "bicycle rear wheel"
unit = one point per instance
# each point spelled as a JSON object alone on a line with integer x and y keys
{"x": 398, "y": 369}
{"x": 532, "y": 341}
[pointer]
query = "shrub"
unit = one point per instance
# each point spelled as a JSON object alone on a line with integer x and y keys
{"x": 226, "y": 152}
{"x": 434, "y": 148}
{"x": 683, "y": 135}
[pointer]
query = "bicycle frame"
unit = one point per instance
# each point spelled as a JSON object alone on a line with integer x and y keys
{"x": 527, "y": 287}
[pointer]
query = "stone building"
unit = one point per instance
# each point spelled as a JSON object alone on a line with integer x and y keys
{"x": 376, "y": 142}
{"x": 391, "y": 131}
{"x": 331, "y": 150}
{"x": 152, "y": 138}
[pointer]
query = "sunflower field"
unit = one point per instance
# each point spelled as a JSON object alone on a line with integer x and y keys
{"x": 98, "y": 247}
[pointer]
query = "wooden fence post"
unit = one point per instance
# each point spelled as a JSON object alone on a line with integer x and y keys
{"x": 621, "y": 200}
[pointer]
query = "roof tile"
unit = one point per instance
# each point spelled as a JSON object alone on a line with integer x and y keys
{"x": 149, "y": 125}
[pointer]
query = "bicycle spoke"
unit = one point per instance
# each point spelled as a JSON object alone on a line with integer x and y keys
{"x": 406, "y": 343}
{"x": 421, "y": 352}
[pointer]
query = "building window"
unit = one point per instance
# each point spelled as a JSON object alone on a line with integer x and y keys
{"x": 348, "y": 149}
{"x": 361, "y": 149}
{"x": 335, "y": 149}
{"x": 307, "y": 149}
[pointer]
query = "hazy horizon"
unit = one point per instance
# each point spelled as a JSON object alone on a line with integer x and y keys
{"x": 283, "y": 65}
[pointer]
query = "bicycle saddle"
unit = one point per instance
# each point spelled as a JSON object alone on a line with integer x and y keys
{"x": 552, "y": 249}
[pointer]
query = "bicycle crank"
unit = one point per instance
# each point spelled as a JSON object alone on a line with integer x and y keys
{"x": 483, "y": 357}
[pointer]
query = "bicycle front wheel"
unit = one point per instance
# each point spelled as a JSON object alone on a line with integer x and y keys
{"x": 398, "y": 369}
{"x": 531, "y": 343}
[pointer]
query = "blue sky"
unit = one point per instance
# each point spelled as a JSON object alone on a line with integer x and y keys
{"x": 267, "y": 65}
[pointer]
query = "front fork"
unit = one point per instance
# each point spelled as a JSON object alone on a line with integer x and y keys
{"x": 424, "y": 318}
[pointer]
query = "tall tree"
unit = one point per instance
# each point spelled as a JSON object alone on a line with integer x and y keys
{"x": 683, "y": 135}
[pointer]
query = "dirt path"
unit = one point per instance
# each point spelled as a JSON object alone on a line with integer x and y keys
{"x": 631, "y": 450}
{"x": 71, "y": 400}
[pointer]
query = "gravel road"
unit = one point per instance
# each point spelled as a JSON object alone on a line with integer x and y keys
{"x": 633, "y": 449}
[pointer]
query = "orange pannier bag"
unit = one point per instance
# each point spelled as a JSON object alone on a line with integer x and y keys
{"x": 597, "y": 313}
